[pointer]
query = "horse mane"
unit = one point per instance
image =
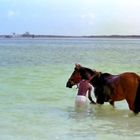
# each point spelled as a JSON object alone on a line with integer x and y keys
{"x": 88, "y": 69}
{"x": 99, "y": 77}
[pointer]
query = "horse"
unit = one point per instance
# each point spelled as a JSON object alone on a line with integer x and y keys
{"x": 110, "y": 88}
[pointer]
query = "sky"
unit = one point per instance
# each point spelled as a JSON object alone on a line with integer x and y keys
{"x": 70, "y": 17}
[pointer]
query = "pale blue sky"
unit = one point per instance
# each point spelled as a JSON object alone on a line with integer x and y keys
{"x": 70, "y": 17}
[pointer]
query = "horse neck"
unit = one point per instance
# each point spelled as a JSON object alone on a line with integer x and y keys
{"x": 100, "y": 79}
{"x": 93, "y": 76}
{"x": 96, "y": 79}
{"x": 89, "y": 73}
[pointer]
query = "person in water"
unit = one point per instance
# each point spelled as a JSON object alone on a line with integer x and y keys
{"x": 84, "y": 90}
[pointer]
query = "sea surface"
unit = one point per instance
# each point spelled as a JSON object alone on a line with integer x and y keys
{"x": 36, "y": 105}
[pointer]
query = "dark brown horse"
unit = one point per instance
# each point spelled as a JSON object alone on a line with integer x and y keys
{"x": 110, "y": 88}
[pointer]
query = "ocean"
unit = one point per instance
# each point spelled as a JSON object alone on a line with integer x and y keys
{"x": 35, "y": 103}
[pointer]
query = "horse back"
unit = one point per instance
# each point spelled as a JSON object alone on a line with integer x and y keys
{"x": 129, "y": 78}
{"x": 124, "y": 86}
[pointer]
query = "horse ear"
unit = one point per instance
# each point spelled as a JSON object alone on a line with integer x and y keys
{"x": 77, "y": 66}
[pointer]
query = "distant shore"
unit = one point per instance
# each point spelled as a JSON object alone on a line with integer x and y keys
{"x": 63, "y": 36}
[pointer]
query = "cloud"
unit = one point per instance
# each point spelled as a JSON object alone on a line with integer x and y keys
{"x": 11, "y": 13}
{"x": 89, "y": 17}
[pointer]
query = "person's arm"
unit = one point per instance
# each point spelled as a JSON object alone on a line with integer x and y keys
{"x": 89, "y": 95}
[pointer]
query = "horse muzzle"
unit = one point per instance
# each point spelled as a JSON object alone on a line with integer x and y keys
{"x": 70, "y": 84}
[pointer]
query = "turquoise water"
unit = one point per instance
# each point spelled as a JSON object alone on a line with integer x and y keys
{"x": 36, "y": 105}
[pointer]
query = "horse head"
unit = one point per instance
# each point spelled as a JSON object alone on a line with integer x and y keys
{"x": 79, "y": 73}
{"x": 75, "y": 76}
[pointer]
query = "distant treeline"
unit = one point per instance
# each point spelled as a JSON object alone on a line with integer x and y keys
{"x": 113, "y": 36}
{"x": 63, "y": 36}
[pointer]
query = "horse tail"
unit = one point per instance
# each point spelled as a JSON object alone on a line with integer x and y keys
{"x": 137, "y": 100}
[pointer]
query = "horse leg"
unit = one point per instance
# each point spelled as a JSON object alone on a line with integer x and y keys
{"x": 130, "y": 104}
{"x": 112, "y": 103}
{"x": 137, "y": 101}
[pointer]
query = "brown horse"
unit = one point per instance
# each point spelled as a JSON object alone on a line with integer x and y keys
{"x": 110, "y": 88}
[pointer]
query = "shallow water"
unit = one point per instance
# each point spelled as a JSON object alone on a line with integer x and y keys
{"x": 36, "y": 105}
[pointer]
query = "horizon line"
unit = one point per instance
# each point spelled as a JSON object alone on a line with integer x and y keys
{"x": 27, "y": 34}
